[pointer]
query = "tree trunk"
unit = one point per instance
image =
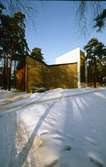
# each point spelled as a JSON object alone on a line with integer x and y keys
{"x": 24, "y": 73}
{"x": 5, "y": 72}
{"x": 95, "y": 70}
{"x": 14, "y": 73}
{"x": 9, "y": 75}
{"x": 94, "y": 80}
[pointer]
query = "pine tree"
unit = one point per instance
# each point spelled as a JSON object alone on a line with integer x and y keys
{"x": 95, "y": 52}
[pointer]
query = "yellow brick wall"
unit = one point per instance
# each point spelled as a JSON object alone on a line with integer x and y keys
{"x": 64, "y": 76}
{"x": 82, "y": 67}
{"x": 34, "y": 74}
{"x": 49, "y": 76}
{"x": 20, "y": 79}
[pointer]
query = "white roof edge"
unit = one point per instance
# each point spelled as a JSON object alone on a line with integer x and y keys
{"x": 69, "y": 52}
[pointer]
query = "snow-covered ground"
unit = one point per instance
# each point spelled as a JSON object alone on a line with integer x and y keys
{"x": 58, "y": 128}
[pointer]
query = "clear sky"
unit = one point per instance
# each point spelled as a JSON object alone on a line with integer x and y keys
{"x": 53, "y": 26}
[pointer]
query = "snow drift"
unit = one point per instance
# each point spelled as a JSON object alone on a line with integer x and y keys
{"x": 58, "y": 128}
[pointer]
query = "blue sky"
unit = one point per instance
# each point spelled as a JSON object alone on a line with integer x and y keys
{"x": 53, "y": 26}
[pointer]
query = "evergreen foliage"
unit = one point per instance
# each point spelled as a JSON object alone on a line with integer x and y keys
{"x": 95, "y": 52}
{"x": 100, "y": 20}
{"x": 13, "y": 45}
{"x": 37, "y": 54}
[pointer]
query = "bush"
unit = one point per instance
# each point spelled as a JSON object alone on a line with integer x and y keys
{"x": 38, "y": 89}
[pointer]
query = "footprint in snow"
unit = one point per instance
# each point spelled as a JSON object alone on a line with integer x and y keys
{"x": 44, "y": 133}
{"x": 95, "y": 159}
{"x": 90, "y": 140}
{"x": 67, "y": 148}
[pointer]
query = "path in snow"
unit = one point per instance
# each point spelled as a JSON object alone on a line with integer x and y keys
{"x": 63, "y": 132}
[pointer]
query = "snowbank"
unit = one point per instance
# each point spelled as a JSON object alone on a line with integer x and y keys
{"x": 58, "y": 128}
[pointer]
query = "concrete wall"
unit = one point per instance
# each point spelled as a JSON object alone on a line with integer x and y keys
{"x": 70, "y": 57}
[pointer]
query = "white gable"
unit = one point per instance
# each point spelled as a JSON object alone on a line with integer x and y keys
{"x": 70, "y": 57}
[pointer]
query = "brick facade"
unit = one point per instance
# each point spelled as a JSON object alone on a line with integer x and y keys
{"x": 50, "y": 76}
